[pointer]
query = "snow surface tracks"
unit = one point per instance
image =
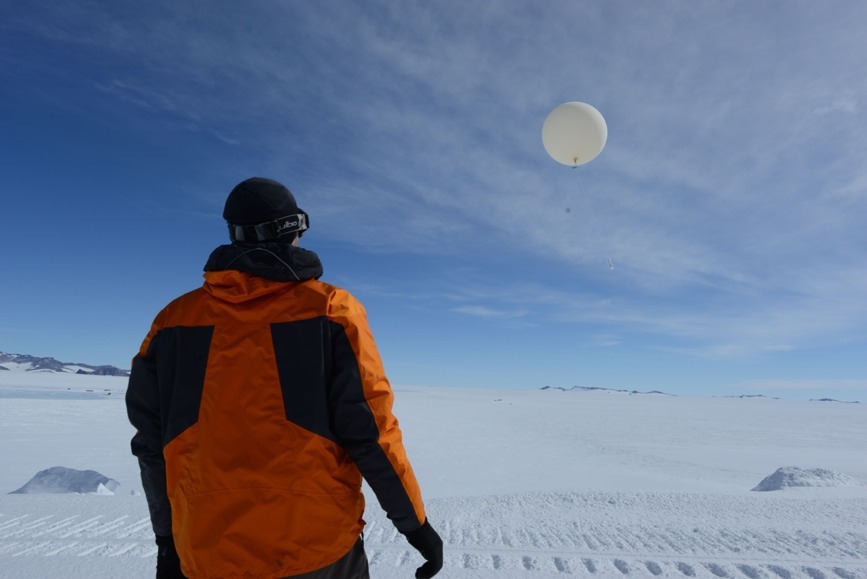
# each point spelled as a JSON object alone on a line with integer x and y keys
{"x": 622, "y": 535}
{"x": 632, "y": 535}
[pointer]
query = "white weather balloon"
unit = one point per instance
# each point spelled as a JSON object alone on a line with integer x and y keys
{"x": 574, "y": 133}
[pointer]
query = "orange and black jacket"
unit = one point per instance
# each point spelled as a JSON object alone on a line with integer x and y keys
{"x": 259, "y": 402}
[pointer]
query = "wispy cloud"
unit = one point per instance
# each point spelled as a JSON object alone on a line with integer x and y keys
{"x": 141, "y": 96}
{"x": 488, "y": 312}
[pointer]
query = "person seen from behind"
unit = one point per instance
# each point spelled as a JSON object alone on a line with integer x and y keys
{"x": 259, "y": 402}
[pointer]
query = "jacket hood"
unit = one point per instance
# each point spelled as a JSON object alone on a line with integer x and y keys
{"x": 263, "y": 262}
{"x": 275, "y": 261}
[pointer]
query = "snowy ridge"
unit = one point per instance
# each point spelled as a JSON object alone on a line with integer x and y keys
{"x": 59, "y": 480}
{"x": 21, "y": 380}
{"x": 26, "y": 363}
{"x": 794, "y": 476}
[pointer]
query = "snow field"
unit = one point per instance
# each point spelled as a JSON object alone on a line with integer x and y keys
{"x": 519, "y": 484}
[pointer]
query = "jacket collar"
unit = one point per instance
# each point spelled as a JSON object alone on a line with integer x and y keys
{"x": 274, "y": 261}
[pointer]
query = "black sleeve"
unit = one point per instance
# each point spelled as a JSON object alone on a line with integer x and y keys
{"x": 162, "y": 401}
{"x": 355, "y": 426}
{"x": 143, "y": 410}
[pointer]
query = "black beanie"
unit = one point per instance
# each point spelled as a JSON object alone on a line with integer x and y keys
{"x": 260, "y": 209}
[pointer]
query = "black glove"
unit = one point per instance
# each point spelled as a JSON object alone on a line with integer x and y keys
{"x": 428, "y": 543}
{"x": 168, "y": 563}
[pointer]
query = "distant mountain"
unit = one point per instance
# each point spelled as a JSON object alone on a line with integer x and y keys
{"x": 747, "y": 396}
{"x": 25, "y": 363}
{"x": 834, "y": 400}
{"x": 597, "y": 389}
{"x": 811, "y": 399}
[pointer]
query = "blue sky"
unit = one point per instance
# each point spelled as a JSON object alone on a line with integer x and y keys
{"x": 730, "y": 197}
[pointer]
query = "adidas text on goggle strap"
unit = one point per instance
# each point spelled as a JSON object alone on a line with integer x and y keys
{"x": 271, "y": 230}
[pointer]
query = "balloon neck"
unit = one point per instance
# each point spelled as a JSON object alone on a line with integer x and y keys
{"x": 575, "y": 163}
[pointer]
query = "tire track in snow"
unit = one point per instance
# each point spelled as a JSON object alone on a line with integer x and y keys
{"x": 522, "y": 564}
{"x": 517, "y": 537}
{"x": 75, "y": 536}
{"x": 544, "y": 547}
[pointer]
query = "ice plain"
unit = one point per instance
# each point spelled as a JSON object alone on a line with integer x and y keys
{"x": 519, "y": 484}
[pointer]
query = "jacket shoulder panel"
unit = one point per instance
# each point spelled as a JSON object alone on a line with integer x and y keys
{"x": 181, "y": 357}
{"x": 303, "y": 356}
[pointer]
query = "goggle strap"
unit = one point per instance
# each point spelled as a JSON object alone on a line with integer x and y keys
{"x": 270, "y": 230}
